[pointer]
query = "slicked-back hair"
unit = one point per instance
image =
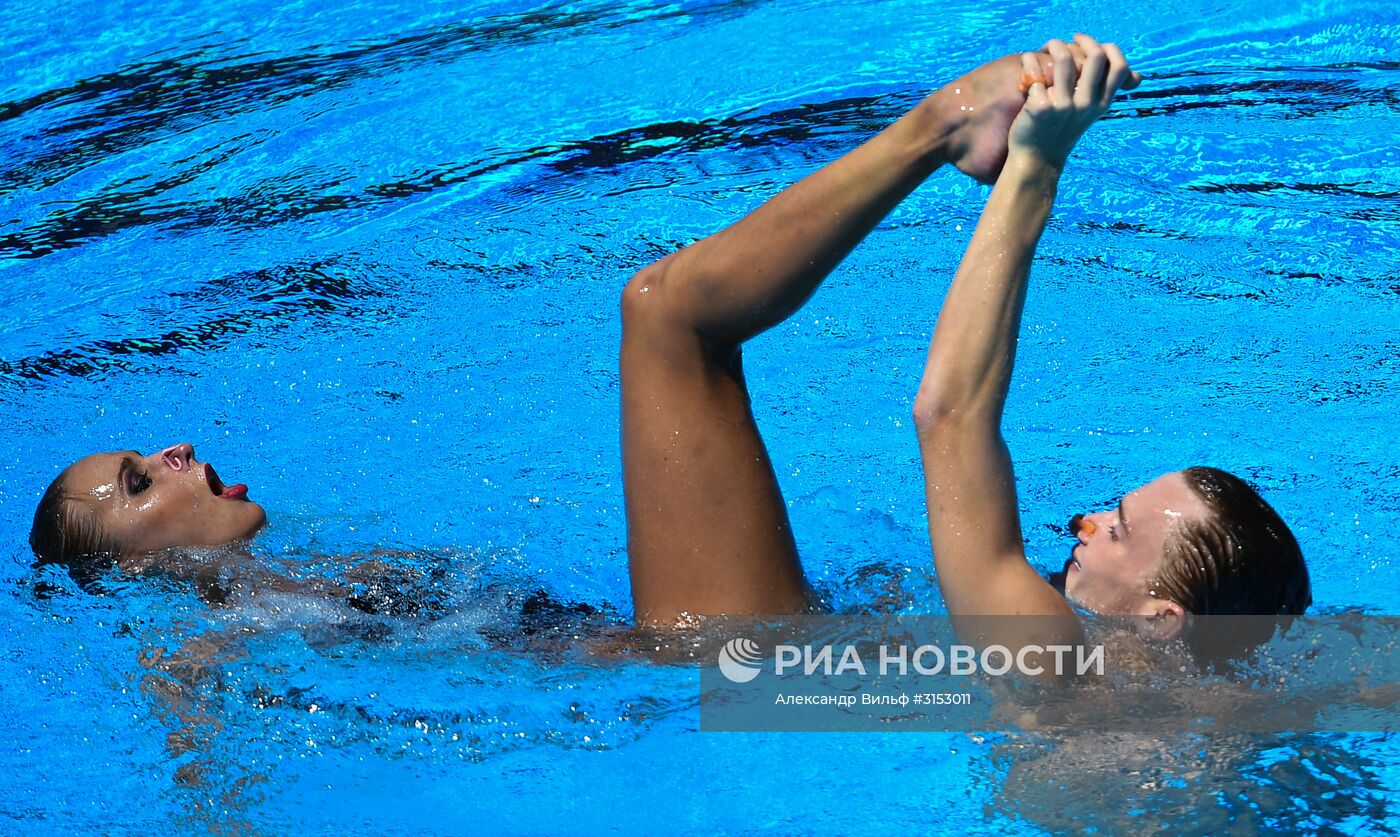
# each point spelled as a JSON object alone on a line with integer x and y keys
{"x": 1240, "y": 560}
{"x": 68, "y": 534}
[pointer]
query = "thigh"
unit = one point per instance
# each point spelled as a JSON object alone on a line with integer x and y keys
{"x": 707, "y": 528}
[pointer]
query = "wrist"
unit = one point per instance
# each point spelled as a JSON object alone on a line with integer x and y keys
{"x": 1029, "y": 167}
{"x": 1026, "y": 188}
{"x": 1031, "y": 164}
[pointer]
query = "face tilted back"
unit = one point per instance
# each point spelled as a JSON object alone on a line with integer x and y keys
{"x": 141, "y": 504}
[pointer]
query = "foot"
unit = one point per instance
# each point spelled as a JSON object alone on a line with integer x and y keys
{"x": 974, "y": 113}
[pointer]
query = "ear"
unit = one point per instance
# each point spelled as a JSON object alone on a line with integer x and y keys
{"x": 1161, "y": 620}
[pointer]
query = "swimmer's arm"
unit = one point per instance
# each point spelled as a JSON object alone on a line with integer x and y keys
{"x": 974, "y": 524}
{"x": 175, "y": 680}
{"x": 973, "y": 520}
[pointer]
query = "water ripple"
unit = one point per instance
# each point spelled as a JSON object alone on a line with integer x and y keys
{"x": 119, "y": 111}
{"x": 277, "y": 295}
{"x": 294, "y": 197}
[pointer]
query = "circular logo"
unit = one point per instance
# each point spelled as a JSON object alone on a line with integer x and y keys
{"x": 739, "y": 660}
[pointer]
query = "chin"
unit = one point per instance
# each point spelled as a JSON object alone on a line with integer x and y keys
{"x": 1069, "y": 593}
{"x": 259, "y": 518}
{"x": 250, "y": 520}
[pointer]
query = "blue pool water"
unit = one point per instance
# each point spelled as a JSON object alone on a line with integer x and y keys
{"x": 367, "y": 257}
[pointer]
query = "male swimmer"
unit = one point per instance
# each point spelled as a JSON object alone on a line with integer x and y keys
{"x": 708, "y": 530}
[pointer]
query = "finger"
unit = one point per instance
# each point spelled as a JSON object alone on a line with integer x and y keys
{"x": 1062, "y": 90}
{"x": 1118, "y": 74}
{"x": 1047, "y": 63}
{"x": 1032, "y": 80}
{"x": 1046, "y": 67}
{"x": 1077, "y": 53}
{"x": 1088, "y": 91}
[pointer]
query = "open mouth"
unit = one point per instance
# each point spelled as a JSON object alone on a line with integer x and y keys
{"x": 237, "y": 491}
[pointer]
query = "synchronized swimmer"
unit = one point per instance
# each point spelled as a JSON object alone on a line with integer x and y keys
{"x": 707, "y": 527}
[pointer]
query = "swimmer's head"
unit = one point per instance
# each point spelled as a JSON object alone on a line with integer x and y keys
{"x": 1194, "y": 542}
{"x": 122, "y": 508}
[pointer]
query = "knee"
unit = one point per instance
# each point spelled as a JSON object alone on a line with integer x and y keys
{"x": 657, "y": 314}
{"x": 645, "y": 297}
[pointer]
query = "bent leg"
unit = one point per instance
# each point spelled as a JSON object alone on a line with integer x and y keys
{"x": 707, "y": 526}
{"x": 707, "y": 529}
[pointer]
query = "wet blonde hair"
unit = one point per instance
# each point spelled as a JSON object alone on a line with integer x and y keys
{"x": 67, "y": 533}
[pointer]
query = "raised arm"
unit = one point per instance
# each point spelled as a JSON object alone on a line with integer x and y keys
{"x": 973, "y": 519}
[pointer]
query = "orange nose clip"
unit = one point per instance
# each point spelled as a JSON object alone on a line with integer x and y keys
{"x": 1088, "y": 527}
